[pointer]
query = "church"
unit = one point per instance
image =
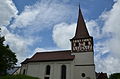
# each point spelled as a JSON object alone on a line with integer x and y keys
{"x": 77, "y": 63}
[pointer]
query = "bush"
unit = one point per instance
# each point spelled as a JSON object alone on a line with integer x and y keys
{"x": 18, "y": 77}
{"x": 115, "y": 76}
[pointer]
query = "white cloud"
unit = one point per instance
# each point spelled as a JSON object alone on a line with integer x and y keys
{"x": 17, "y": 44}
{"x": 39, "y": 50}
{"x": 41, "y": 15}
{"x": 109, "y": 64}
{"x": 94, "y": 29}
{"x": 25, "y": 18}
{"x": 105, "y": 60}
{"x": 110, "y": 30}
{"x": 8, "y": 10}
{"x": 112, "y": 20}
{"x": 101, "y": 48}
{"x": 62, "y": 33}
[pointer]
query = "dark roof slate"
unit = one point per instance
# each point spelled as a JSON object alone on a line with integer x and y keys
{"x": 50, "y": 56}
{"x": 81, "y": 30}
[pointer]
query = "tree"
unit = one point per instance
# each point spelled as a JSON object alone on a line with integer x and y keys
{"x": 115, "y": 76}
{"x": 7, "y": 57}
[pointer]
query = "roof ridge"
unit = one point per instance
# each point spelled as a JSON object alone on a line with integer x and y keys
{"x": 54, "y": 51}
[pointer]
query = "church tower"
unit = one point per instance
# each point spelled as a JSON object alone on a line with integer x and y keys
{"x": 82, "y": 48}
{"x": 82, "y": 41}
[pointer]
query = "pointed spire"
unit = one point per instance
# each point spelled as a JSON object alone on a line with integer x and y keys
{"x": 81, "y": 30}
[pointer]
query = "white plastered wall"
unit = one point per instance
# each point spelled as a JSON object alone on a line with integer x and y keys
{"x": 23, "y": 67}
{"x": 37, "y": 69}
{"x": 84, "y": 63}
{"x": 83, "y": 58}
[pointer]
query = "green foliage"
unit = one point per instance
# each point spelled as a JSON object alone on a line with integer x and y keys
{"x": 18, "y": 77}
{"x": 7, "y": 57}
{"x": 2, "y": 39}
{"x": 115, "y": 76}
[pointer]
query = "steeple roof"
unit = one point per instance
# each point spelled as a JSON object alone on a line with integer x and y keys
{"x": 81, "y": 30}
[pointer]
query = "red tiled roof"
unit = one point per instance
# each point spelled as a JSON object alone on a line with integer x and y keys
{"x": 25, "y": 61}
{"x": 51, "y": 56}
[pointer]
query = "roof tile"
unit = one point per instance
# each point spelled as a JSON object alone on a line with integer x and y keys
{"x": 50, "y": 56}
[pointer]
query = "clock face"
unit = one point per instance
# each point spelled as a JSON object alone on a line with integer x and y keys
{"x": 82, "y": 45}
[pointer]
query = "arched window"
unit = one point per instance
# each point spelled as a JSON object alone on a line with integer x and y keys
{"x": 48, "y": 70}
{"x": 63, "y": 72}
{"x": 24, "y": 72}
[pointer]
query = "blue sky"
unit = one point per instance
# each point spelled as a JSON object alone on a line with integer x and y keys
{"x": 30, "y": 26}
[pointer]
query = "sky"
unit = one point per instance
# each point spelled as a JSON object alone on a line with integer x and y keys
{"x": 31, "y": 26}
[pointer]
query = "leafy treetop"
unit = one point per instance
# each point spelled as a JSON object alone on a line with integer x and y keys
{"x": 7, "y": 57}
